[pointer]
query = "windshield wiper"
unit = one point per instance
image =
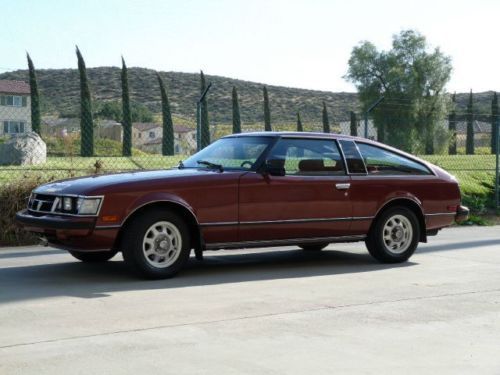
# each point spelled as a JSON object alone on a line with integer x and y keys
{"x": 211, "y": 165}
{"x": 181, "y": 165}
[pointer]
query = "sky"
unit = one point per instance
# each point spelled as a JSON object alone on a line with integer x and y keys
{"x": 303, "y": 44}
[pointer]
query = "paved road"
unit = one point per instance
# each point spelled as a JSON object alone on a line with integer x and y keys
{"x": 280, "y": 311}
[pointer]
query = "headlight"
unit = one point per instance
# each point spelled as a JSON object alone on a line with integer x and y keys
{"x": 67, "y": 204}
{"x": 88, "y": 206}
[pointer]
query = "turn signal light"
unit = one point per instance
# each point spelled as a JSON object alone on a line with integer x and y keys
{"x": 110, "y": 218}
{"x": 452, "y": 208}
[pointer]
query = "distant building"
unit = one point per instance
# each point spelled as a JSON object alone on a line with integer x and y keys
{"x": 15, "y": 107}
{"x": 148, "y": 137}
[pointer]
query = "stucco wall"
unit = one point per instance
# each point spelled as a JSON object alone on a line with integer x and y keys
{"x": 8, "y": 113}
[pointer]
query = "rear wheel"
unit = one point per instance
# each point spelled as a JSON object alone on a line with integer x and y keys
{"x": 94, "y": 256}
{"x": 156, "y": 244}
{"x": 313, "y": 246}
{"x": 394, "y": 236}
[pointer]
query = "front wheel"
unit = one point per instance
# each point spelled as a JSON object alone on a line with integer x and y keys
{"x": 94, "y": 256}
{"x": 394, "y": 236}
{"x": 156, "y": 244}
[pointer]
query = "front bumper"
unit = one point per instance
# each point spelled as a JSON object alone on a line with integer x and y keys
{"x": 462, "y": 214}
{"x": 40, "y": 223}
{"x": 69, "y": 232}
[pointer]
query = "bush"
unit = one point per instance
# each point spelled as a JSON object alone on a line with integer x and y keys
{"x": 14, "y": 197}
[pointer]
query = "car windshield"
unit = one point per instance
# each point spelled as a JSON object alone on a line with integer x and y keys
{"x": 229, "y": 153}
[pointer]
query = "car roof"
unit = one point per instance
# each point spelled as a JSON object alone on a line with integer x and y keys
{"x": 315, "y": 135}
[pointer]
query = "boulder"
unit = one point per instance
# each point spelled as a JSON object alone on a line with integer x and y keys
{"x": 23, "y": 149}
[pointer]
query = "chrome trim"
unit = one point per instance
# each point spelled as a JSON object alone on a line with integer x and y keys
{"x": 343, "y": 186}
{"x": 219, "y": 224}
{"x": 284, "y": 242}
{"x": 442, "y": 213}
{"x": 292, "y": 221}
{"x": 158, "y": 201}
{"x": 411, "y": 199}
{"x": 288, "y": 221}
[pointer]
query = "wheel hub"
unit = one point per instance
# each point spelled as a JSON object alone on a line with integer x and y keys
{"x": 162, "y": 244}
{"x": 397, "y": 233}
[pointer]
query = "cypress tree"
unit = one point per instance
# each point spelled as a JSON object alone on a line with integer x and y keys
{"x": 205, "y": 127}
{"x": 354, "y": 124}
{"x": 495, "y": 120}
{"x": 126, "y": 113}
{"x": 35, "y": 98}
{"x": 267, "y": 111}
{"x": 300, "y": 128}
{"x": 236, "y": 112}
{"x": 452, "y": 127}
{"x": 326, "y": 122}
{"x": 167, "y": 145}
{"x": 469, "y": 146}
{"x": 86, "y": 121}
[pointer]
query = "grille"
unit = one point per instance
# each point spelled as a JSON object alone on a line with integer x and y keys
{"x": 43, "y": 203}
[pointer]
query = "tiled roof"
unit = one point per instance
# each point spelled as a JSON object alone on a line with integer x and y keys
{"x": 143, "y": 126}
{"x": 14, "y": 87}
{"x": 182, "y": 129}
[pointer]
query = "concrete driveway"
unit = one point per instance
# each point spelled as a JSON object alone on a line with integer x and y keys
{"x": 274, "y": 311}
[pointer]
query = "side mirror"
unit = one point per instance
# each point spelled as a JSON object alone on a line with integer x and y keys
{"x": 275, "y": 167}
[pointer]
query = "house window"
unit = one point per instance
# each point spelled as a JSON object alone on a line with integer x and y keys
{"x": 151, "y": 134}
{"x": 13, "y": 100}
{"x": 13, "y": 127}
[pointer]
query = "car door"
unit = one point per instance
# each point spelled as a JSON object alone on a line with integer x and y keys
{"x": 311, "y": 200}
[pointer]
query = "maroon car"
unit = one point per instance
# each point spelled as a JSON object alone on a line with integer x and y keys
{"x": 251, "y": 190}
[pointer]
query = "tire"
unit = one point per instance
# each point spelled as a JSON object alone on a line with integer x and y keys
{"x": 94, "y": 257}
{"x": 156, "y": 244}
{"x": 394, "y": 245}
{"x": 313, "y": 246}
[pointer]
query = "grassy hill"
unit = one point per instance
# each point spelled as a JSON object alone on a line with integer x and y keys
{"x": 60, "y": 90}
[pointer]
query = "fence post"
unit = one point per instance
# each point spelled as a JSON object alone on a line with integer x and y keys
{"x": 497, "y": 182}
{"x": 376, "y": 103}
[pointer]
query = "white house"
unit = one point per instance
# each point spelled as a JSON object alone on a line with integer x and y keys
{"x": 15, "y": 107}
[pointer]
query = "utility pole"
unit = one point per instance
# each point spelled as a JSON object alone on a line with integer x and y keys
{"x": 199, "y": 103}
{"x": 376, "y": 103}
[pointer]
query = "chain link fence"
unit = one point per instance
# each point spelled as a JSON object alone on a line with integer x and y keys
{"x": 69, "y": 147}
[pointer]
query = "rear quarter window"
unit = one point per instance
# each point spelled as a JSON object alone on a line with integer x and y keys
{"x": 380, "y": 161}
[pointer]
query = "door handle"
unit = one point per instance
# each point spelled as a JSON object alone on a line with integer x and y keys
{"x": 343, "y": 186}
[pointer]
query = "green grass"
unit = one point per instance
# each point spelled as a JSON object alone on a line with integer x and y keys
{"x": 64, "y": 167}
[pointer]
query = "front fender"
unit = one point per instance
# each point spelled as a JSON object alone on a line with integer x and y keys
{"x": 155, "y": 197}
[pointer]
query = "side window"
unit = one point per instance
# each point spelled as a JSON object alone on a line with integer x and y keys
{"x": 383, "y": 162}
{"x": 353, "y": 159}
{"x": 308, "y": 157}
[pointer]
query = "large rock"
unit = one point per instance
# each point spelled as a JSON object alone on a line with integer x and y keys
{"x": 23, "y": 149}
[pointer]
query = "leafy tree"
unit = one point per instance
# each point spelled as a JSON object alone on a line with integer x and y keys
{"x": 86, "y": 120}
{"x": 205, "y": 127}
{"x": 127, "y": 117}
{"x": 495, "y": 120}
{"x": 452, "y": 127}
{"x": 267, "y": 111}
{"x": 35, "y": 97}
{"x": 112, "y": 109}
{"x": 412, "y": 80}
{"x": 300, "y": 128}
{"x": 167, "y": 147}
{"x": 354, "y": 124}
{"x": 236, "y": 112}
{"x": 469, "y": 143}
{"x": 326, "y": 122}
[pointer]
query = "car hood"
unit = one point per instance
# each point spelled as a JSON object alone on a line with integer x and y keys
{"x": 98, "y": 184}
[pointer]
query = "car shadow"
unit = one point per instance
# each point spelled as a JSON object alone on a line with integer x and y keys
{"x": 76, "y": 279}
